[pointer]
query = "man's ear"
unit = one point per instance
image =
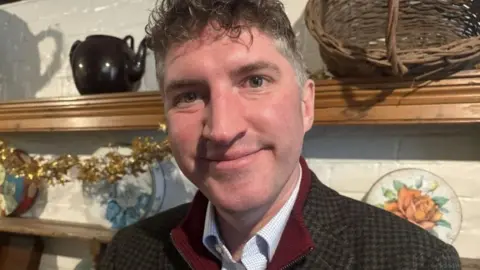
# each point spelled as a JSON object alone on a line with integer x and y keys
{"x": 308, "y": 104}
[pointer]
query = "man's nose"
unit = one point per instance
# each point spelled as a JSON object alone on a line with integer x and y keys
{"x": 224, "y": 121}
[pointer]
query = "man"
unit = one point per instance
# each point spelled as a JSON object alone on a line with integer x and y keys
{"x": 238, "y": 103}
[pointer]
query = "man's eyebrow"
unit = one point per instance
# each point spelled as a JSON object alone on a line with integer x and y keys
{"x": 176, "y": 85}
{"x": 255, "y": 66}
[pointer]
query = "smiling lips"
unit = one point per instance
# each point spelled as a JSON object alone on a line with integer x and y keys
{"x": 232, "y": 161}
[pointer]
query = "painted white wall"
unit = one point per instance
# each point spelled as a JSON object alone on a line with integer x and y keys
{"x": 349, "y": 159}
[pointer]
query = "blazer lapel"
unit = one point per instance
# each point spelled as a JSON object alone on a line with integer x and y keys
{"x": 326, "y": 220}
{"x": 314, "y": 229}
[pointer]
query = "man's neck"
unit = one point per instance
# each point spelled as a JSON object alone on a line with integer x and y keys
{"x": 237, "y": 228}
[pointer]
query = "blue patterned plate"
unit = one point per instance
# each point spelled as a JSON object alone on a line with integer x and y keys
{"x": 158, "y": 173}
{"x": 124, "y": 202}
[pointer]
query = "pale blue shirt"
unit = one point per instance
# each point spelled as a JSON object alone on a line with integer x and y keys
{"x": 259, "y": 249}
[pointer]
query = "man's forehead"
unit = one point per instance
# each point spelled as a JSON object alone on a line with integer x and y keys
{"x": 210, "y": 34}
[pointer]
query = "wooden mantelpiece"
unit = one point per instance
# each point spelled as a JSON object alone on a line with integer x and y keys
{"x": 34, "y": 228}
{"x": 470, "y": 264}
{"x": 124, "y": 111}
{"x": 455, "y": 99}
{"x": 56, "y": 229}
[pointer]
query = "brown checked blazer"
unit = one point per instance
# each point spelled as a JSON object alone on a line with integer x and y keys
{"x": 325, "y": 231}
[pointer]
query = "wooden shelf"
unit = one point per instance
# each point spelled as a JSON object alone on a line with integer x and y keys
{"x": 455, "y": 99}
{"x": 124, "y": 111}
{"x": 470, "y": 264}
{"x": 58, "y": 229}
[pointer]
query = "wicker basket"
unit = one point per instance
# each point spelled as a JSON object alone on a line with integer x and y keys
{"x": 365, "y": 38}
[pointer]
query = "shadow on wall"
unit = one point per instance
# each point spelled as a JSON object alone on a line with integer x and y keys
{"x": 308, "y": 46}
{"x": 20, "y": 66}
{"x": 149, "y": 79}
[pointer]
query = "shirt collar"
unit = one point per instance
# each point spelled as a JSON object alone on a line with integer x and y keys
{"x": 211, "y": 234}
{"x": 270, "y": 233}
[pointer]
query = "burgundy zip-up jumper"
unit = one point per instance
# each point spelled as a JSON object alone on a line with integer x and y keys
{"x": 295, "y": 242}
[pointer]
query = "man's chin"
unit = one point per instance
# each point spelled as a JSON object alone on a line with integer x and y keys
{"x": 236, "y": 209}
{"x": 240, "y": 203}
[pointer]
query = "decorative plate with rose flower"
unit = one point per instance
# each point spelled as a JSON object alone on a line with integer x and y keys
{"x": 420, "y": 197}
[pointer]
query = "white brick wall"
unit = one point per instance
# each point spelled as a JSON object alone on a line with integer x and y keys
{"x": 349, "y": 159}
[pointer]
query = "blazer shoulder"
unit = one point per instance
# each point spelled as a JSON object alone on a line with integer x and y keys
{"x": 157, "y": 227}
{"x": 372, "y": 228}
{"x": 369, "y": 218}
{"x": 143, "y": 244}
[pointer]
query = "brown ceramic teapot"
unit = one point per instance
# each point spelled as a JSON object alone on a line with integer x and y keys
{"x": 106, "y": 64}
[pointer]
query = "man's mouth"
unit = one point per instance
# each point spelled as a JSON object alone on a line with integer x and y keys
{"x": 232, "y": 160}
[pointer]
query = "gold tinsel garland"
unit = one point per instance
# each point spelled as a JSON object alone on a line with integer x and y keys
{"x": 112, "y": 167}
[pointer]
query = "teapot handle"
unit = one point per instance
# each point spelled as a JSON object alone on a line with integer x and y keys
{"x": 72, "y": 50}
{"x": 129, "y": 39}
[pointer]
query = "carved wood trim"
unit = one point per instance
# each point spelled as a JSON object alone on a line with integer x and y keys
{"x": 470, "y": 264}
{"x": 455, "y": 99}
{"x": 124, "y": 111}
{"x": 56, "y": 229}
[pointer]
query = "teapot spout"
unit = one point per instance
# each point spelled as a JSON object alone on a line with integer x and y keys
{"x": 138, "y": 67}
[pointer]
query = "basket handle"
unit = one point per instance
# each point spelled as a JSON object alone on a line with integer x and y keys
{"x": 398, "y": 68}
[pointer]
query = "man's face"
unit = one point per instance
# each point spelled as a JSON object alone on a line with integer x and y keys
{"x": 236, "y": 117}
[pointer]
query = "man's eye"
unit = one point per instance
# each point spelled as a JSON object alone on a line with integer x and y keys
{"x": 255, "y": 81}
{"x": 188, "y": 97}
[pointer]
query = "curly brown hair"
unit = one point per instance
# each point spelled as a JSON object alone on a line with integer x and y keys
{"x": 177, "y": 21}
